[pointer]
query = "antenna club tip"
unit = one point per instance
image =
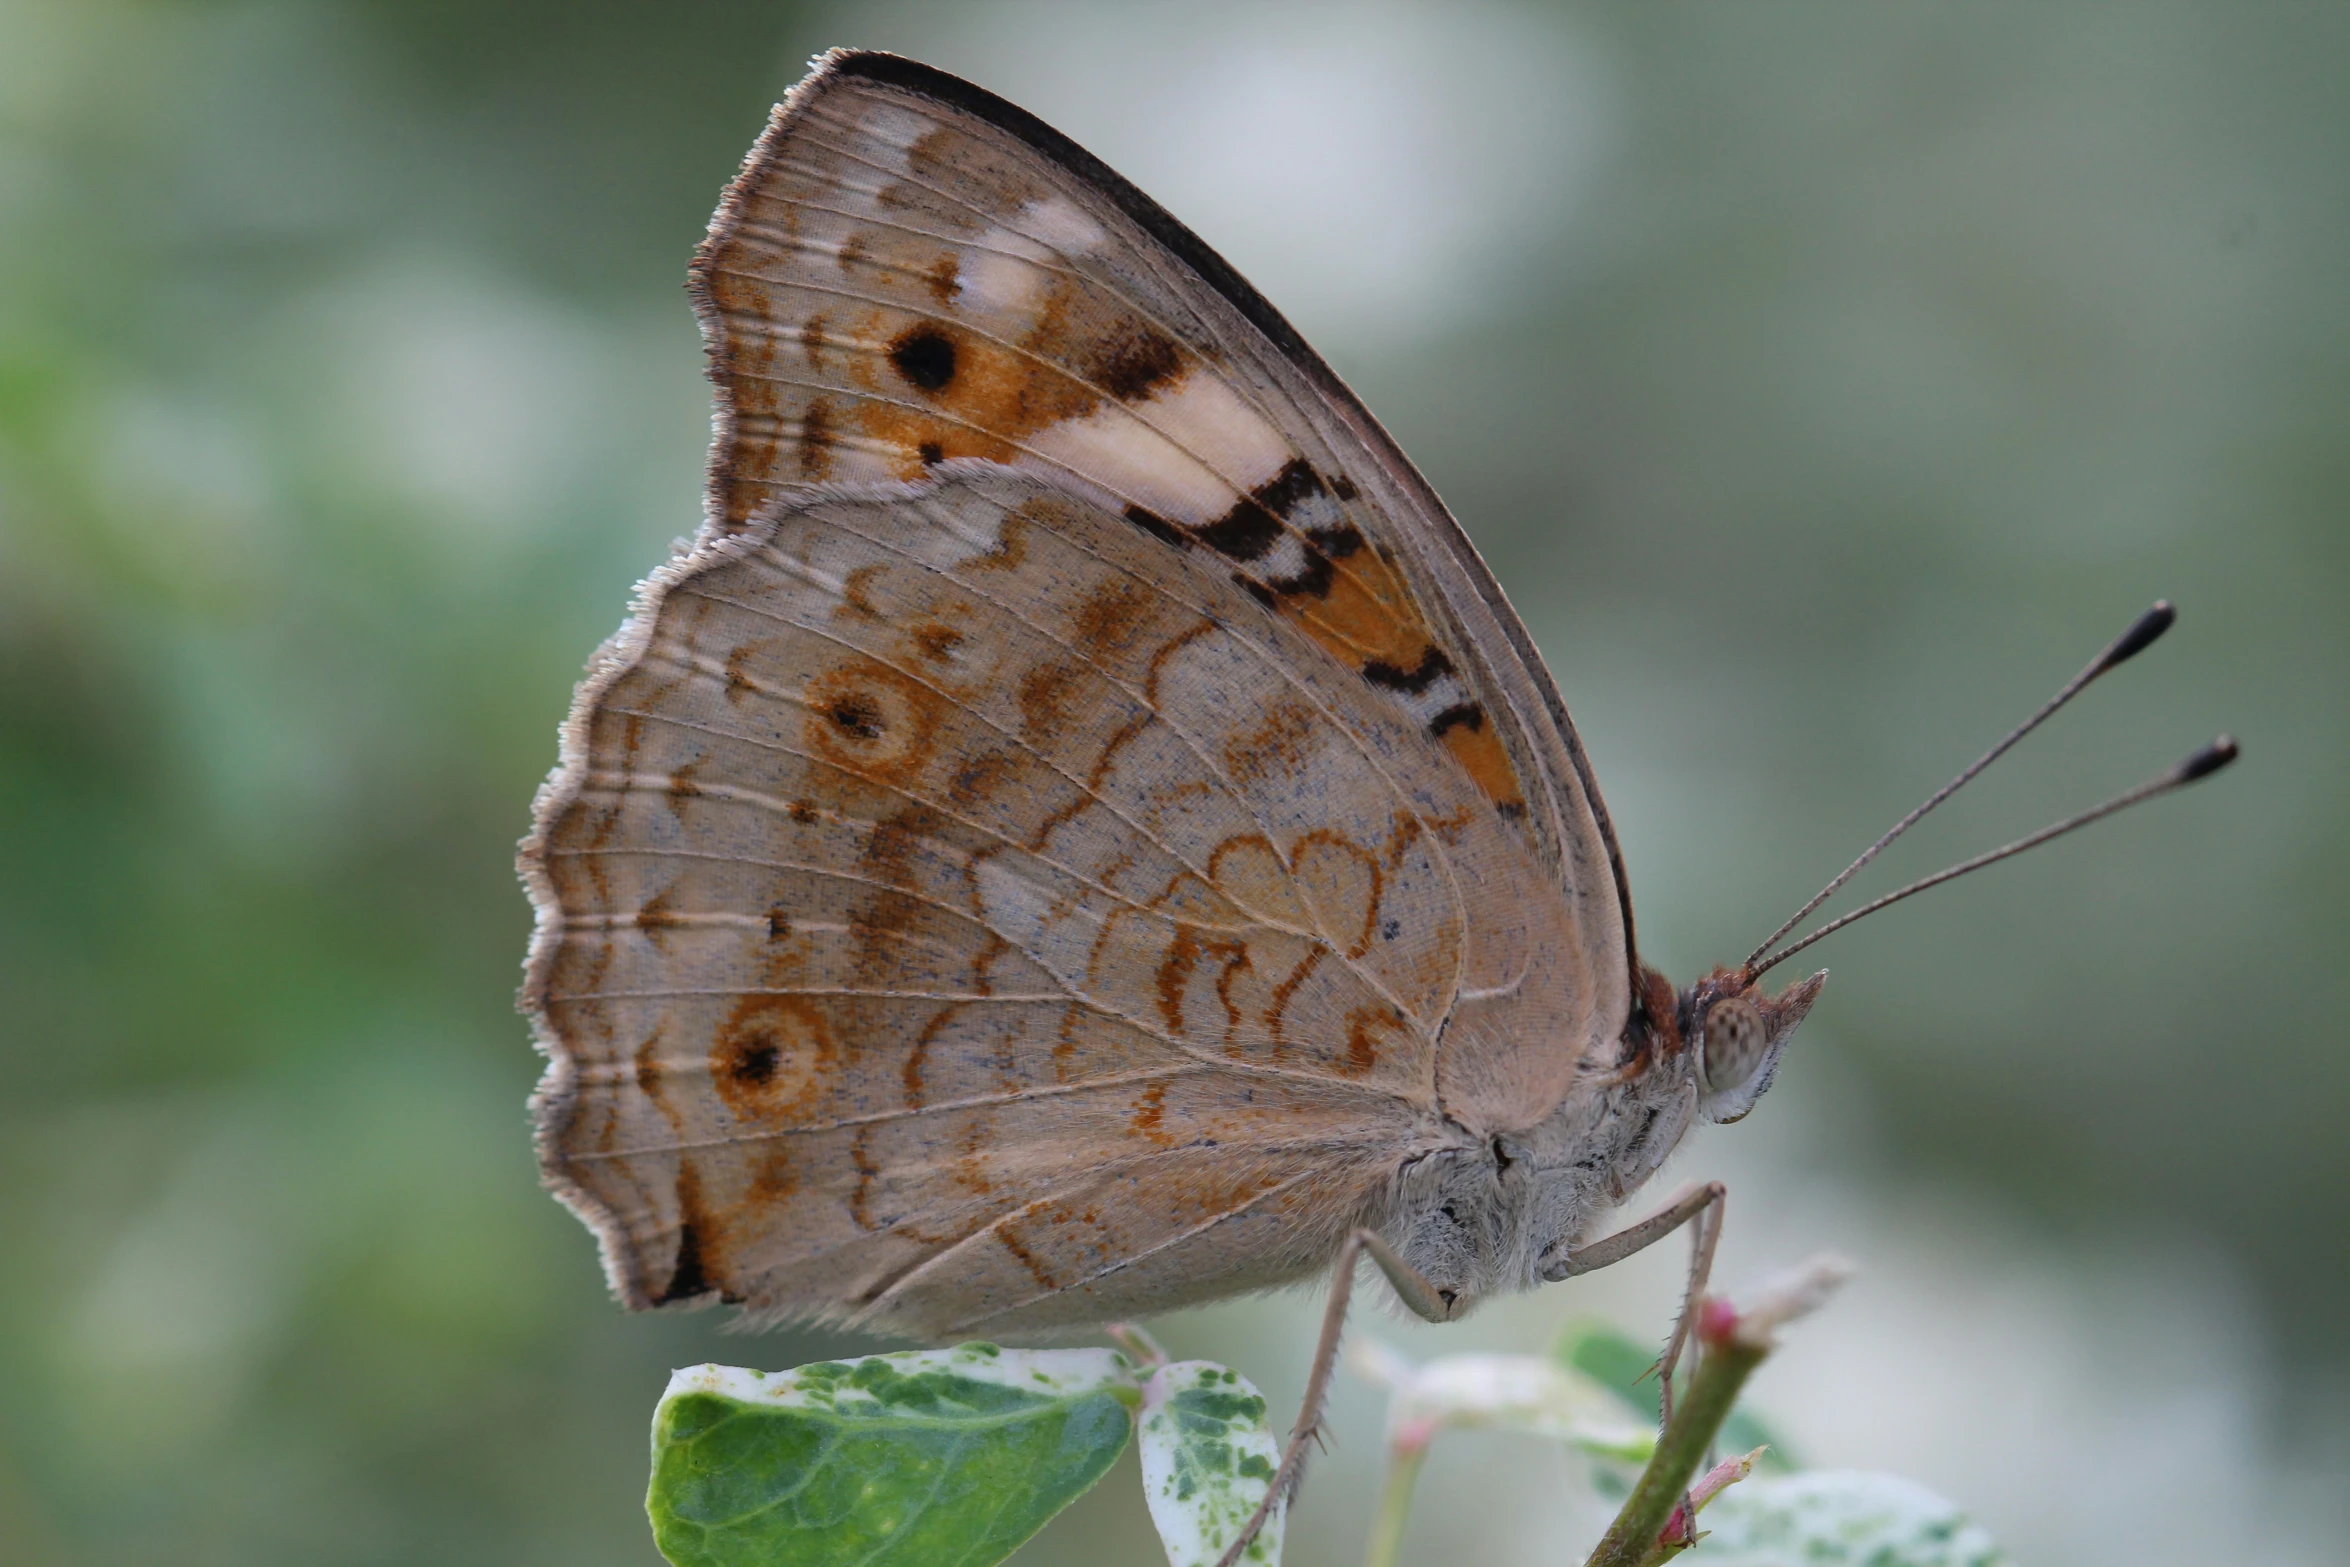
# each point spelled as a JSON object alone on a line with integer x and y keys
{"x": 2209, "y": 760}
{"x": 2141, "y": 634}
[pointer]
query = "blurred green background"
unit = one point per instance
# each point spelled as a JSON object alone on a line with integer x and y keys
{"x": 1825, "y": 382}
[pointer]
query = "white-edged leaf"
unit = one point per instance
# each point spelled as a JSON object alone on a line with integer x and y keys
{"x": 1502, "y": 1392}
{"x": 1840, "y": 1518}
{"x": 1208, "y": 1456}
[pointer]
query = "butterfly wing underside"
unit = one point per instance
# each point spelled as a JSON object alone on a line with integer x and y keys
{"x": 1081, "y": 814}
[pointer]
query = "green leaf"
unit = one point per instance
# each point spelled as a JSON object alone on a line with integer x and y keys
{"x": 1208, "y": 1456}
{"x": 927, "y": 1458}
{"x": 1830, "y": 1517}
{"x": 1607, "y": 1357}
{"x": 1619, "y": 1364}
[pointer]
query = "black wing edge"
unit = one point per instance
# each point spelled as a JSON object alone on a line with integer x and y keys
{"x": 892, "y": 70}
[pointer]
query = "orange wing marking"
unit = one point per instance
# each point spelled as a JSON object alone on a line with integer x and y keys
{"x": 986, "y": 395}
{"x": 1408, "y": 823}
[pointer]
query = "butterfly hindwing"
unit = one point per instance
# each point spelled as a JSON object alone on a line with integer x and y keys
{"x": 918, "y": 871}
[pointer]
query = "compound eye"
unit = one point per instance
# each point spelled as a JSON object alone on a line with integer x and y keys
{"x": 1734, "y": 1043}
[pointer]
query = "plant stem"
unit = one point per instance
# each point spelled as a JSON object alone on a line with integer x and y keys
{"x": 1145, "y": 1351}
{"x": 1633, "y": 1539}
{"x": 1395, "y": 1505}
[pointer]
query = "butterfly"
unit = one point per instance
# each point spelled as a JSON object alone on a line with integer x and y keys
{"x": 1080, "y": 832}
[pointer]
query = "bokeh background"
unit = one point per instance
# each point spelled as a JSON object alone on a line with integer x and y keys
{"x": 1825, "y": 382}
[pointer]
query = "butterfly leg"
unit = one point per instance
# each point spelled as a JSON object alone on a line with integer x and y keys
{"x": 1425, "y": 1300}
{"x": 1702, "y": 1206}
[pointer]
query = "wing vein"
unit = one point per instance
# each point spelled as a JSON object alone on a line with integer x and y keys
{"x": 1277, "y": 667}
{"x": 982, "y": 1102}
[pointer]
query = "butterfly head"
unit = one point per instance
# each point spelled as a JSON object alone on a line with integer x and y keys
{"x": 1737, "y": 1031}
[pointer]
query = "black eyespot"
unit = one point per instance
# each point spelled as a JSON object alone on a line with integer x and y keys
{"x": 926, "y": 357}
{"x": 857, "y": 715}
{"x": 756, "y": 1064}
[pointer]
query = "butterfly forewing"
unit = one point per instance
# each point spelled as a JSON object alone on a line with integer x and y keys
{"x": 1061, "y": 843}
{"x": 904, "y": 276}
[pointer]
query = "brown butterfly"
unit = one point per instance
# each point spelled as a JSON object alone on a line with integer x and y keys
{"x": 1082, "y": 833}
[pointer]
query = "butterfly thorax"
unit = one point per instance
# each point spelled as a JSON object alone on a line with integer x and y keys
{"x": 1487, "y": 1212}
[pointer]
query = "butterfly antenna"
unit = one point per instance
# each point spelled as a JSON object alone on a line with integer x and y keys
{"x": 2128, "y": 645}
{"x": 2210, "y": 759}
